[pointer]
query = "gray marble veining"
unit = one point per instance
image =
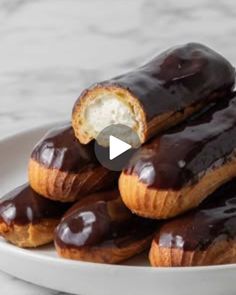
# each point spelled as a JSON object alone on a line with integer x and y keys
{"x": 51, "y": 49}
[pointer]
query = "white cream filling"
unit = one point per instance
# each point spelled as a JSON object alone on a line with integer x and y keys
{"x": 107, "y": 110}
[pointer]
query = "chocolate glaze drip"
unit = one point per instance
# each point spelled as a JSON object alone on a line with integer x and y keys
{"x": 214, "y": 221}
{"x": 60, "y": 149}
{"x": 23, "y": 206}
{"x": 177, "y": 78}
{"x": 186, "y": 152}
{"x": 92, "y": 225}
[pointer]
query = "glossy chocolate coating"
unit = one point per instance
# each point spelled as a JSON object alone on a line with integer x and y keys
{"x": 59, "y": 149}
{"x": 214, "y": 220}
{"x": 92, "y": 225}
{"x": 185, "y": 153}
{"x": 177, "y": 78}
{"x": 24, "y": 206}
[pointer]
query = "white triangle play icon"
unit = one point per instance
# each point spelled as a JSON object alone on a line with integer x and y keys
{"x": 117, "y": 147}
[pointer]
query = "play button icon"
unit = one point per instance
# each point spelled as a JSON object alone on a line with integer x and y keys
{"x": 115, "y": 145}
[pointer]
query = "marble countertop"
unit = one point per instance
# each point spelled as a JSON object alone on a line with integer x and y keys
{"x": 51, "y": 49}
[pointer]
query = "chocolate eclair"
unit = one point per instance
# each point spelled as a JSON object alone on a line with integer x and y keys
{"x": 205, "y": 236}
{"x": 155, "y": 96}
{"x": 101, "y": 229}
{"x": 62, "y": 169}
{"x": 28, "y": 219}
{"x": 179, "y": 169}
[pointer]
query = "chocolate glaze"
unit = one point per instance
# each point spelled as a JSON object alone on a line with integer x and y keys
{"x": 186, "y": 152}
{"x": 60, "y": 149}
{"x": 106, "y": 196}
{"x": 92, "y": 225}
{"x": 24, "y": 206}
{"x": 177, "y": 78}
{"x": 214, "y": 221}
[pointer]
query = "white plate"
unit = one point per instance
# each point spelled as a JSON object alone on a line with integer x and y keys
{"x": 43, "y": 267}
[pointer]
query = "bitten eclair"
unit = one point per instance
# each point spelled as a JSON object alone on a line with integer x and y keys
{"x": 177, "y": 170}
{"x": 28, "y": 219}
{"x": 205, "y": 236}
{"x": 155, "y": 96}
{"x": 101, "y": 229}
{"x": 64, "y": 170}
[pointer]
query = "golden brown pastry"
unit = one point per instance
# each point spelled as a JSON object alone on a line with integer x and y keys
{"x": 27, "y": 219}
{"x": 101, "y": 229}
{"x": 178, "y": 170}
{"x": 155, "y": 96}
{"x": 64, "y": 170}
{"x": 205, "y": 236}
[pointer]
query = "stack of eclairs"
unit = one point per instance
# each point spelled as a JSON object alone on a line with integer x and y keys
{"x": 176, "y": 196}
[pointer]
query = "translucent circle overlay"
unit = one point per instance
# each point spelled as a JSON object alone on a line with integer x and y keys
{"x": 102, "y": 148}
